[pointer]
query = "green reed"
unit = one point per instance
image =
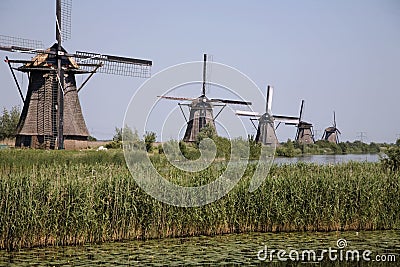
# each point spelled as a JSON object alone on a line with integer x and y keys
{"x": 69, "y": 198}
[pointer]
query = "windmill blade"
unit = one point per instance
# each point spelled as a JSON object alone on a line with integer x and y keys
{"x": 15, "y": 44}
{"x": 63, "y": 20}
{"x": 248, "y": 113}
{"x": 115, "y": 64}
{"x": 203, "y": 92}
{"x": 334, "y": 119}
{"x": 288, "y": 120}
{"x": 177, "y": 98}
{"x": 228, "y": 101}
{"x": 66, "y": 7}
{"x": 270, "y": 92}
{"x": 301, "y": 110}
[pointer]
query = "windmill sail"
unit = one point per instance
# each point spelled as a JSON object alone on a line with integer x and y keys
{"x": 177, "y": 98}
{"x": 288, "y": 120}
{"x": 15, "y": 44}
{"x": 228, "y": 101}
{"x": 248, "y": 113}
{"x": 65, "y": 17}
{"x": 114, "y": 64}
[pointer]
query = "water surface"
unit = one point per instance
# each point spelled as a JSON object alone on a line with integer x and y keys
{"x": 226, "y": 250}
{"x": 329, "y": 159}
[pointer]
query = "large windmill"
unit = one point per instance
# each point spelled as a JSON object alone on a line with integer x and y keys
{"x": 51, "y": 116}
{"x": 331, "y": 134}
{"x": 201, "y": 109}
{"x": 266, "y": 122}
{"x": 305, "y": 133}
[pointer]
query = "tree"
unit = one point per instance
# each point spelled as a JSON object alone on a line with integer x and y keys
{"x": 290, "y": 149}
{"x": 8, "y": 123}
{"x": 183, "y": 148}
{"x": 392, "y": 159}
{"x": 208, "y": 131}
{"x": 130, "y": 138}
{"x": 118, "y": 134}
{"x": 374, "y": 148}
{"x": 149, "y": 139}
{"x": 255, "y": 147}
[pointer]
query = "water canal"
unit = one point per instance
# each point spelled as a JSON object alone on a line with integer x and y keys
{"x": 329, "y": 159}
{"x": 226, "y": 250}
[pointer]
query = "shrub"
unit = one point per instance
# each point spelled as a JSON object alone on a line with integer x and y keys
{"x": 392, "y": 159}
{"x": 149, "y": 139}
{"x": 114, "y": 145}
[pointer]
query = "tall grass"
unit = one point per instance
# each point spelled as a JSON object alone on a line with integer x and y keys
{"x": 68, "y": 198}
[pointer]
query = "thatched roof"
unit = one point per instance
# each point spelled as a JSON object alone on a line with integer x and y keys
{"x": 48, "y": 60}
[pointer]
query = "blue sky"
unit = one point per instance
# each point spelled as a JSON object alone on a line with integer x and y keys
{"x": 337, "y": 55}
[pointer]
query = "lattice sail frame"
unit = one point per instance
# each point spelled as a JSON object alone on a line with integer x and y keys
{"x": 114, "y": 64}
{"x": 66, "y": 7}
{"x": 10, "y": 43}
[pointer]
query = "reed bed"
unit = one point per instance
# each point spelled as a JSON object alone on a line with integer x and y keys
{"x": 64, "y": 198}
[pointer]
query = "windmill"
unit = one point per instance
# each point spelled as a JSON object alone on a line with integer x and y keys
{"x": 305, "y": 133}
{"x": 331, "y": 134}
{"x": 51, "y": 116}
{"x": 201, "y": 109}
{"x": 266, "y": 128}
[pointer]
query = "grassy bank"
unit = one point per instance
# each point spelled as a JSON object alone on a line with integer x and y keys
{"x": 67, "y": 198}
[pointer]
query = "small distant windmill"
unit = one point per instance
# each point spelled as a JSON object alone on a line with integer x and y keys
{"x": 201, "y": 109}
{"x": 51, "y": 116}
{"x": 305, "y": 133}
{"x": 331, "y": 134}
{"x": 266, "y": 127}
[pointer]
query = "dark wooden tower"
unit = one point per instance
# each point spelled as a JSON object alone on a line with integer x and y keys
{"x": 38, "y": 124}
{"x": 331, "y": 134}
{"x": 201, "y": 109}
{"x": 201, "y": 114}
{"x": 305, "y": 133}
{"x": 52, "y": 117}
{"x": 266, "y": 122}
{"x": 265, "y": 131}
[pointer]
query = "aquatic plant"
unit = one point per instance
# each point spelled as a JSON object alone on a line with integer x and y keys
{"x": 69, "y": 198}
